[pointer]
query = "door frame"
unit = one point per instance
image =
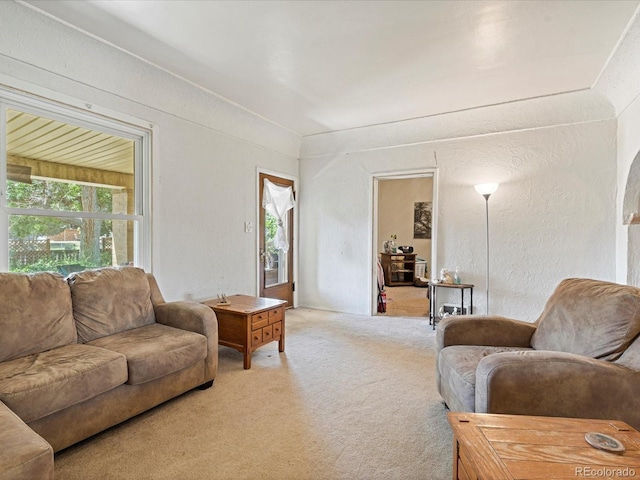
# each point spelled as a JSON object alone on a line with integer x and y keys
{"x": 296, "y": 222}
{"x": 400, "y": 175}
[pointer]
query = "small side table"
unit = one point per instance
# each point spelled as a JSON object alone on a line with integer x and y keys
{"x": 433, "y": 289}
{"x": 249, "y": 323}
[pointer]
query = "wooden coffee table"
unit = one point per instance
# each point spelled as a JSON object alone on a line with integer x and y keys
{"x": 497, "y": 447}
{"x": 249, "y": 323}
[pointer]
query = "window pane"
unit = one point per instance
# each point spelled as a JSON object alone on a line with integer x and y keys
{"x": 68, "y": 174}
{"x": 57, "y": 166}
{"x": 57, "y": 244}
{"x": 59, "y": 196}
{"x": 276, "y": 269}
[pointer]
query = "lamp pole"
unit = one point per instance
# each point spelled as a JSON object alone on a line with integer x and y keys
{"x": 486, "y": 189}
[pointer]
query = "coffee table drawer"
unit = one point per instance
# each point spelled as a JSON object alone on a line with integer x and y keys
{"x": 277, "y": 329}
{"x": 267, "y": 334}
{"x": 264, "y": 335}
{"x": 256, "y": 337}
{"x": 276, "y": 315}
{"x": 259, "y": 320}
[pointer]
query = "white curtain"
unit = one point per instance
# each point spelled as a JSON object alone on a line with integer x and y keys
{"x": 278, "y": 201}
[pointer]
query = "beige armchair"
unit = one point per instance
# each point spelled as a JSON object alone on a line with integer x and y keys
{"x": 581, "y": 358}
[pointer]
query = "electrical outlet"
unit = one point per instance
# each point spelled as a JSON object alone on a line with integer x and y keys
{"x": 248, "y": 227}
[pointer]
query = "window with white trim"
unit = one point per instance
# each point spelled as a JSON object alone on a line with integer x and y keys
{"x": 74, "y": 189}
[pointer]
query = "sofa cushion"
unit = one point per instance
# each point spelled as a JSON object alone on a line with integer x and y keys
{"x": 457, "y": 365}
{"x": 589, "y": 317}
{"x": 44, "y": 383}
{"x": 156, "y": 350}
{"x": 23, "y": 453}
{"x": 110, "y": 300}
{"x": 35, "y": 314}
{"x": 631, "y": 356}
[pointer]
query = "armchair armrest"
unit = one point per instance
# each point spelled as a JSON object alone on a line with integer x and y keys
{"x": 23, "y": 453}
{"x": 195, "y": 317}
{"x": 557, "y": 384}
{"x": 488, "y": 330}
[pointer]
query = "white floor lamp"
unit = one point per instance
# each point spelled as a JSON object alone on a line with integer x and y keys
{"x": 486, "y": 189}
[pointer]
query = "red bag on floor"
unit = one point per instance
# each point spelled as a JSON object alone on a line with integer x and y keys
{"x": 382, "y": 302}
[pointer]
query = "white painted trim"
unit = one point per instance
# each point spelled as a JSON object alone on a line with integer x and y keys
{"x": 152, "y": 155}
{"x": 29, "y": 94}
{"x": 296, "y": 227}
{"x": 4, "y": 218}
{"x": 373, "y": 242}
{"x": 69, "y": 214}
{"x": 373, "y": 222}
{"x": 434, "y": 224}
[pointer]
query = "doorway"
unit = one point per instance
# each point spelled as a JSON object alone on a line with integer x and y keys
{"x": 404, "y": 207}
{"x": 275, "y": 238}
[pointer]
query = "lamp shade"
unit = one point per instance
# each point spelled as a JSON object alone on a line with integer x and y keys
{"x": 486, "y": 188}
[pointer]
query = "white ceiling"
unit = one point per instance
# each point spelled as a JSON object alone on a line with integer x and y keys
{"x": 318, "y": 66}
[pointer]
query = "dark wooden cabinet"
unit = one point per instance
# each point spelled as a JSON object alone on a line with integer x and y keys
{"x": 399, "y": 268}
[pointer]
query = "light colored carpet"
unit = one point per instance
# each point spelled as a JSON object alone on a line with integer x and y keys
{"x": 407, "y": 301}
{"x": 353, "y": 397}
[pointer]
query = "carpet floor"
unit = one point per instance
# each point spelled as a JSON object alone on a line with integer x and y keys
{"x": 407, "y": 301}
{"x": 353, "y": 397}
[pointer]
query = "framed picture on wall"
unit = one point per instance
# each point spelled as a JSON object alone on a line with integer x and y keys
{"x": 422, "y": 212}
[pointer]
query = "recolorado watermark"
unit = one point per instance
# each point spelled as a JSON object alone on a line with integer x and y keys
{"x": 611, "y": 472}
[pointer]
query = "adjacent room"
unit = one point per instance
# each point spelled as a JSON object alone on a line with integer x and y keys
{"x": 319, "y": 240}
{"x": 405, "y": 212}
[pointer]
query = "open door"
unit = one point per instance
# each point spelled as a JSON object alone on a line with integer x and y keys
{"x": 276, "y": 243}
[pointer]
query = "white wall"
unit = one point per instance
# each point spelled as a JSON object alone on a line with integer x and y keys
{"x": 563, "y": 164}
{"x": 620, "y": 83}
{"x": 551, "y": 218}
{"x": 628, "y": 149}
{"x": 206, "y": 155}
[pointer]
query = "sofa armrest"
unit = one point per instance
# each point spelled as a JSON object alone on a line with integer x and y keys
{"x": 23, "y": 453}
{"x": 195, "y": 317}
{"x": 488, "y": 330}
{"x": 558, "y": 384}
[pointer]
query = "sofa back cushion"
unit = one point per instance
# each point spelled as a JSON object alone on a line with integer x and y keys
{"x": 631, "y": 356}
{"x": 110, "y": 300}
{"x": 589, "y": 317}
{"x": 35, "y": 314}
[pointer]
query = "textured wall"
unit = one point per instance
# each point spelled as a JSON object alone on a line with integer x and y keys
{"x": 554, "y": 215}
{"x": 551, "y": 218}
{"x": 620, "y": 82}
{"x": 628, "y": 236}
{"x": 563, "y": 163}
{"x": 206, "y": 157}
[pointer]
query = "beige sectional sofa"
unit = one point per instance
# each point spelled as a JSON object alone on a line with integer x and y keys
{"x": 81, "y": 354}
